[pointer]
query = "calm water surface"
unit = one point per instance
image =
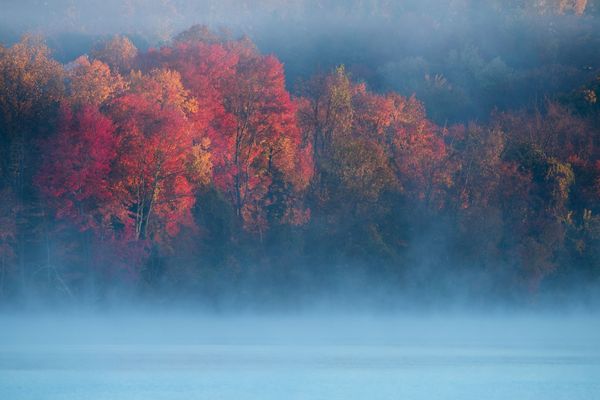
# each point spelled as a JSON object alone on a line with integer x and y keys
{"x": 316, "y": 359}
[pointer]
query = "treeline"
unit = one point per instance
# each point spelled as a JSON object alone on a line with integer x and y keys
{"x": 189, "y": 170}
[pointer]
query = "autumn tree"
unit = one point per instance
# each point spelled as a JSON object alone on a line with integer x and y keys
{"x": 555, "y": 148}
{"x": 337, "y": 112}
{"x": 91, "y": 82}
{"x": 248, "y": 115}
{"x": 419, "y": 153}
{"x": 203, "y": 66}
{"x": 263, "y": 138}
{"x": 127, "y": 173}
{"x": 489, "y": 200}
{"x": 373, "y": 154}
{"x": 327, "y": 111}
{"x": 158, "y": 158}
{"x": 119, "y": 53}
{"x": 31, "y": 88}
{"x": 550, "y": 142}
{"x": 76, "y": 168}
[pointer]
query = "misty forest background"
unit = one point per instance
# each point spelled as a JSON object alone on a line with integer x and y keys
{"x": 422, "y": 150}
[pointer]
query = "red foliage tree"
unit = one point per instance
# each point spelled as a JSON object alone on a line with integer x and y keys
{"x": 248, "y": 115}
{"x": 127, "y": 176}
{"x": 77, "y": 161}
{"x": 264, "y": 136}
{"x": 150, "y": 175}
{"x": 419, "y": 152}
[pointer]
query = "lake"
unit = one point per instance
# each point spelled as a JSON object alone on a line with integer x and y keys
{"x": 130, "y": 358}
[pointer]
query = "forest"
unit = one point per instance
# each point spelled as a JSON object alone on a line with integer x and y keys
{"x": 307, "y": 152}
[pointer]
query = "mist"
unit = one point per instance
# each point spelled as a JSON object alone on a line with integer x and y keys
{"x": 338, "y": 199}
